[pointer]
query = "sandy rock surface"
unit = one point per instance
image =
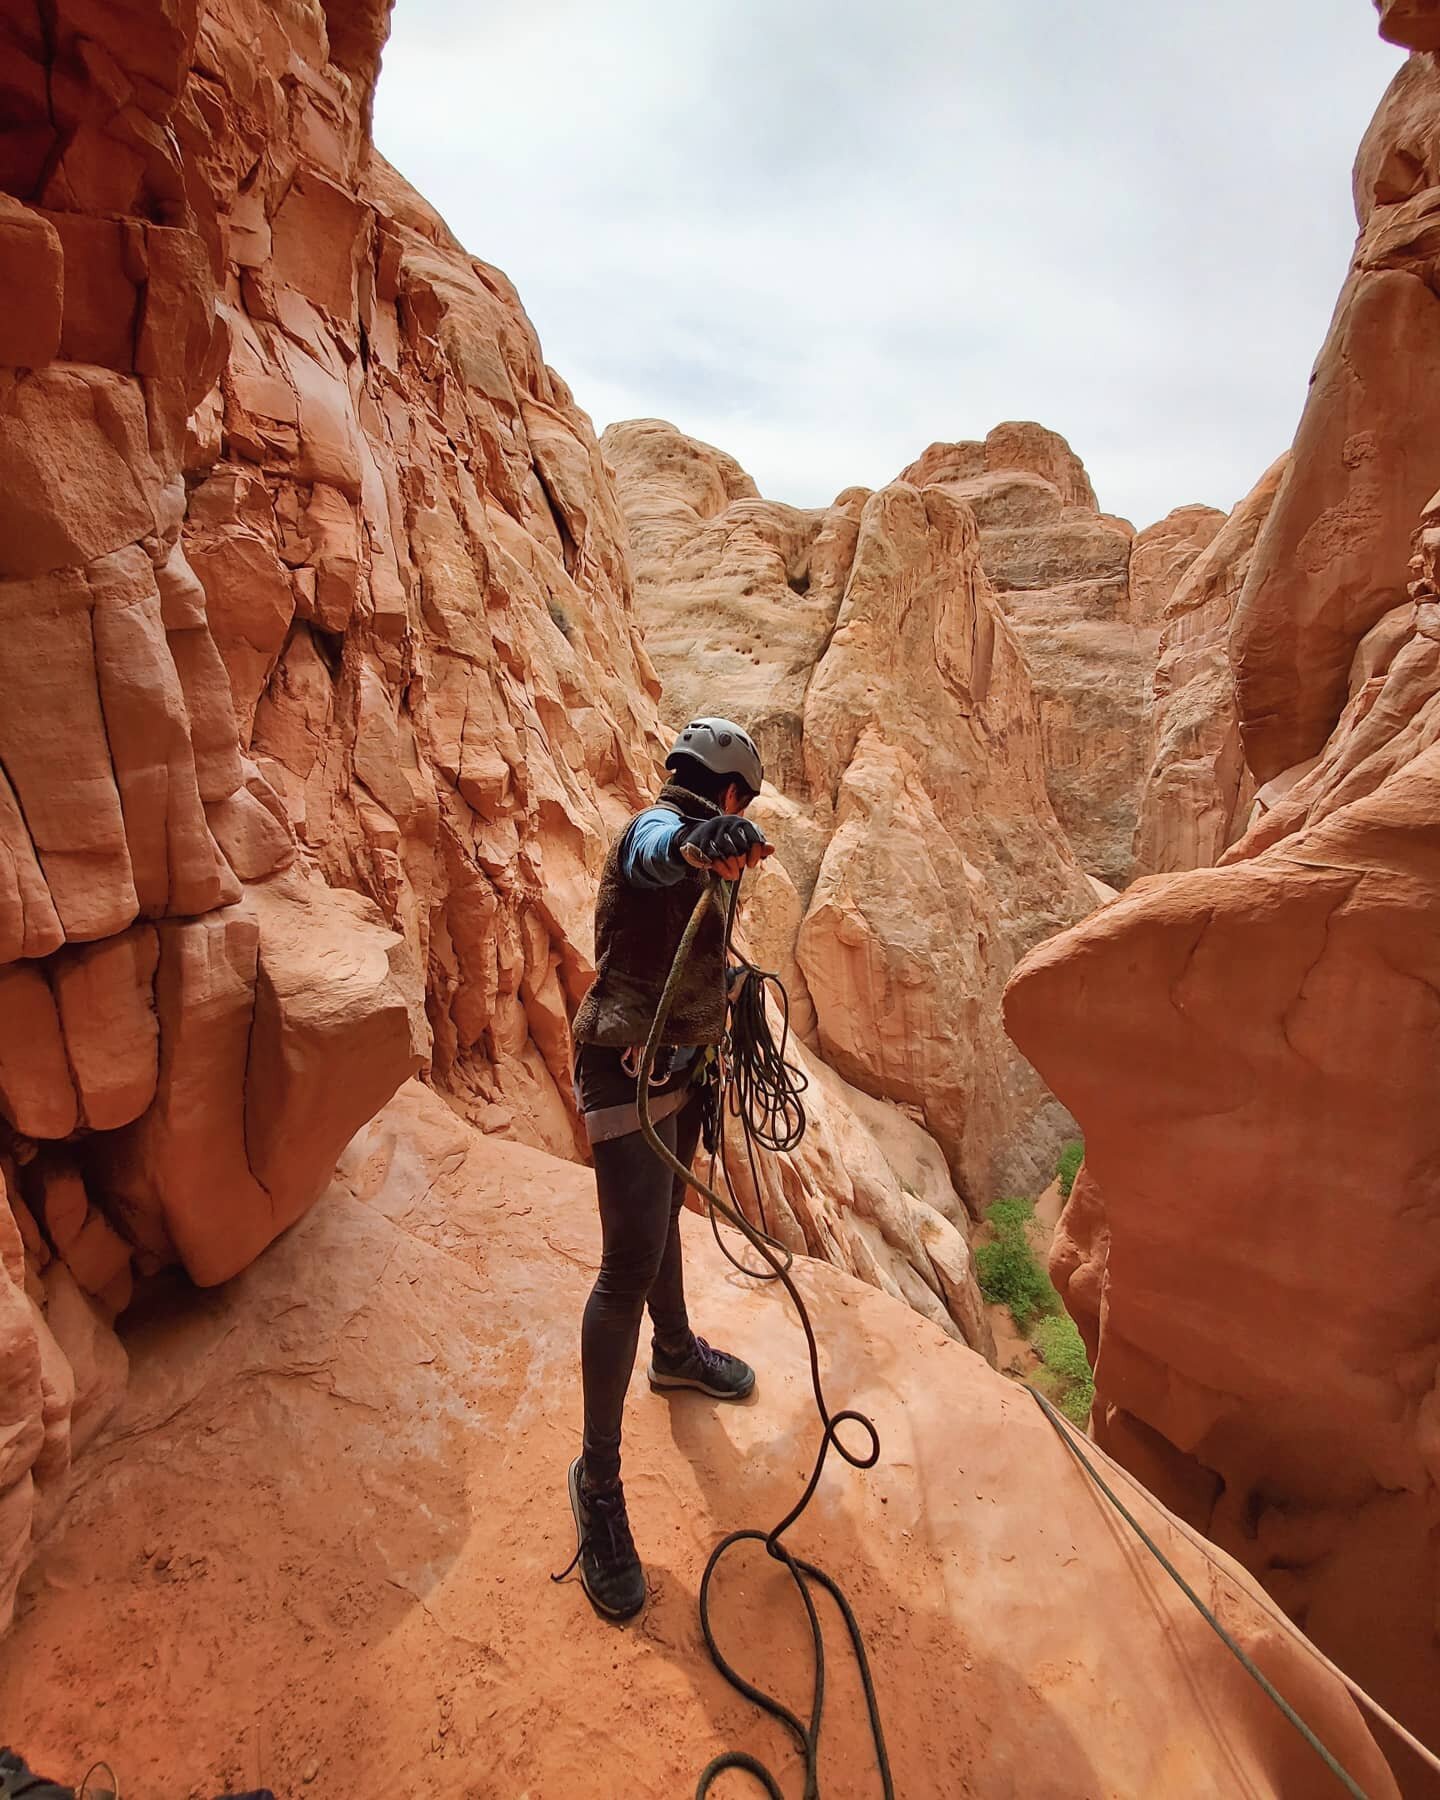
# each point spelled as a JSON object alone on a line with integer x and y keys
{"x": 370, "y": 1612}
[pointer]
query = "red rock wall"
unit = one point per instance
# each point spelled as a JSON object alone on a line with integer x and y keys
{"x": 1251, "y": 1049}
{"x": 319, "y": 689}
{"x": 1084, "y": 593}
{"x": 1198, "y": 790}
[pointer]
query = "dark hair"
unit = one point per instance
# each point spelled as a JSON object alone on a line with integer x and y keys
{"x": 689, "y": 772}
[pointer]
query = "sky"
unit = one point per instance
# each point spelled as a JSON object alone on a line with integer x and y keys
{"x": 823, "y": 234}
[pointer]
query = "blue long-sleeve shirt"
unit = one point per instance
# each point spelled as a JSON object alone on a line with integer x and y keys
{"x": 648, "y": 857}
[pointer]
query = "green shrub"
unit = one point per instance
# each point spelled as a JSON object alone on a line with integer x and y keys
{"x": 1008, "y": 1270}
{"x": 1058, "y": 1340}
{"x": 1068, "y": 1167}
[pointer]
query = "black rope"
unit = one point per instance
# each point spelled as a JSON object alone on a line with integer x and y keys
{"x": 1246, "y": 1662}
{"x": 765, "y": 1089}
{"x": 772, "y": 1087}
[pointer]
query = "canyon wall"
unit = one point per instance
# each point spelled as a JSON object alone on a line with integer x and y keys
{"x": 1085, "y": 594}
{"x": 1198, "y": 789}
{"x": 1250, "y": 1049}
{"x": 321, "y": 695}
{"x": 320, "y": 692}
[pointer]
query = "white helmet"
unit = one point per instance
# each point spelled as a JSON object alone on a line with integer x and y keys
{"x": 723, "y": 747}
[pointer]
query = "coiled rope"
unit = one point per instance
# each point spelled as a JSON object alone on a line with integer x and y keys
{"x": 771, "y": 1085}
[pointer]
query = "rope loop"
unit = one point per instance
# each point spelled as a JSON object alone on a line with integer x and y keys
{"x": 766, "y": 1099}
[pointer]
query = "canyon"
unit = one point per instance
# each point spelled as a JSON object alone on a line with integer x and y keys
{"x": 338, "y": 648}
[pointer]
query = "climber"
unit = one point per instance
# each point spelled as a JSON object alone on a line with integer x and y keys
{"x": 648, "y": 889}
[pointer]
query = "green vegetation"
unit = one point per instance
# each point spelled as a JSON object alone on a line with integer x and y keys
{"x": 1068, "y": 1167}
{"x": 1012, "y": 1275}
{"x": 1009, "y": 1270}
{"x": 560, "y": 616}
{"x": 1058, "y": 1340}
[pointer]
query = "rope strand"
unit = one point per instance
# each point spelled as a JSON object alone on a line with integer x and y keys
{"x": 1246, "y": 1662}
{"x": 767, "y": 1074}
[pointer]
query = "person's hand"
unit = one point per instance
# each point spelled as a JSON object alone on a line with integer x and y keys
{"x": 727, "y": 845}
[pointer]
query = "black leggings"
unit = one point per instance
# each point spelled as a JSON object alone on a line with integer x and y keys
{"x": 640, "y": 1201}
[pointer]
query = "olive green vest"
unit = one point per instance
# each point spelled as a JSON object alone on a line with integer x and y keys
{"x": 637, "y": 932}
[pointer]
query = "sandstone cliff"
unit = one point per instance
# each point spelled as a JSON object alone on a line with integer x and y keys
{"x": 321, "y": 695}
{"x": 391, "y": 1390}
{"x": 321, "y": 691}
{"x": 1085, "y": 593}
{"x": 1198, "y": 789}
{"x": 863, "y": 647}
{"x": 1250, "y": 1049}
{"x": 739, "y": 595}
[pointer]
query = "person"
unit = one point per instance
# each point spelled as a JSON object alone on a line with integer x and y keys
{"x": 653, "y": 875}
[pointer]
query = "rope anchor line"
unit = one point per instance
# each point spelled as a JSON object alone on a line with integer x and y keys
{"x": 1251, "y": 1668}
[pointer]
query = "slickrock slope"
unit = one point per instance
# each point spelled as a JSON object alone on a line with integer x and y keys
{"x": 863, "y": 647}
{"x": 1251, "y": 1049}
{"x": 1085, "y": 594}
{"x": 391, "y": 1392}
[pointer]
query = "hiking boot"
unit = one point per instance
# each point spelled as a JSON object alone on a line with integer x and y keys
{"x": 713, "y": 1372}
{"x": 610, "y": 1571}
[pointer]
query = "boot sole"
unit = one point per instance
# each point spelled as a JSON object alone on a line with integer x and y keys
{"x": 661, "y": 1382}
{"x": 610, "y": 1612}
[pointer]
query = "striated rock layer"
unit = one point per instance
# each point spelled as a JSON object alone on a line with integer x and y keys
{"x": 1253, "y": 1247}
{"x": 393, "y": 1391}
{"x": 1085, "y": 593}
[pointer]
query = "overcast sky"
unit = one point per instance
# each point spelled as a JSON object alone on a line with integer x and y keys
{"x": 824, "y": 233}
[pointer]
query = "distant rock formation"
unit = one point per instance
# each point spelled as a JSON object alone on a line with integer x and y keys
{"x": 863, "y": 647}
{"x": 1085, "y": 595}
{"x": 1198, "y": 789}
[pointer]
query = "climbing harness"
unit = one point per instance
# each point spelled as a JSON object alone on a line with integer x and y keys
{"x": 772, "y": 1087}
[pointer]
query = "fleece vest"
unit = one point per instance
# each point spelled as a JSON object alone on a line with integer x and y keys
{"x": 637, "y": 932}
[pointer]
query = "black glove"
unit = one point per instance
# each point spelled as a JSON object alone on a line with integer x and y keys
{"x": 716, "y": 839}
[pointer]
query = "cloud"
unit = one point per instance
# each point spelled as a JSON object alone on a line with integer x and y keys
{"x": 823, "y": 235}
